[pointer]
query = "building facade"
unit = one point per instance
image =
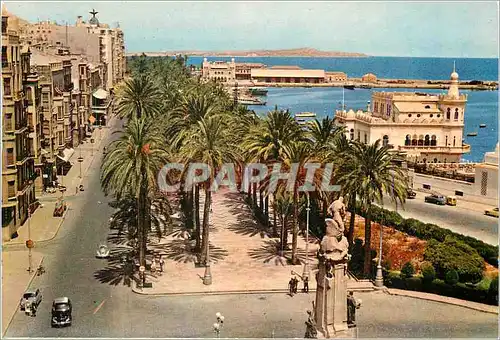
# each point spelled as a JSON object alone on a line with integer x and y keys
{"x": 335, "y": 77}
{"x": 425, "y": 127}
{"x": 288, "y": 75}
{"x": 18, "y": 174}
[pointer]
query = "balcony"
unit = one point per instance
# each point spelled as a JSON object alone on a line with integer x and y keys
{"x": 435, "y": 149}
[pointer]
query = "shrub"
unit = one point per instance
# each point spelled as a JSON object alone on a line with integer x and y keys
{"x": 493, "y": 291}
{"x": 428, "y": 272}
{"x": 407, "y": 271}
{"x": 451, "y": 277}
{"x": 456, "y": 255}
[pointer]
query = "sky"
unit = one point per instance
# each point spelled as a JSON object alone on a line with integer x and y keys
{"x": 415, "y": 29}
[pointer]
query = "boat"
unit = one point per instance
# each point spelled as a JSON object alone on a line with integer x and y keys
{"x": 349, "y": 87}
{"x": 258, "y": 91}
{"x": 472, "y": 134}
{"x": 364, "y": 86}
{"x": 251, "y": 101}
{"x": 482, "y": 125}
{"x": 304, "y": 117}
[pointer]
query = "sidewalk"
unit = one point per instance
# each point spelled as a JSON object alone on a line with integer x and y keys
{"x": 444, "y": 299}
{"x": 244, "y": 258}
{"x": 88, "y": 152}
{"x": 15, "y": 281}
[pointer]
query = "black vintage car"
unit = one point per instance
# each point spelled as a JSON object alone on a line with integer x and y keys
{"x": 61, "y": 312}
{"x": 410, "y": 193}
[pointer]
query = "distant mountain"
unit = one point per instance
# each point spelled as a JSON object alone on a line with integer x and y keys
{"x": 296, "y": 52}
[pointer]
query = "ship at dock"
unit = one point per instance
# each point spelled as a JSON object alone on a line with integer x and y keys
{"x": 258, "y": 91}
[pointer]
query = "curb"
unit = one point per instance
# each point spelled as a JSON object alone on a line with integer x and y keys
{"x": 234, "y": 292}
{"x": 449, "y": 300}
{"x": 25, "y": 289}
{"x": 17, "y": 243}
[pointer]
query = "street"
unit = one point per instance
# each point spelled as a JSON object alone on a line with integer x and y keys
{"x": 458, "y": 218}
{"x": 111, "y": 309}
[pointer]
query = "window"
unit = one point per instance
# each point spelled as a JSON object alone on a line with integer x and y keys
{"x": 427, "y": 140}
{"x": 433, "y": 140}
{"x": 431, "y": 115}
{"x": 385, "y": 140}
{"x": 8, "y": 122}
{"x": 409, "y": 115}
{"x": 408, "y": 140}
{"x": 11, "y": 185}
{"x": 5, "y": 61}
{"x": 448, "y": 114}
{"x": 420, "y": 140}
{"x": 414, "y": 140}
{"x": 418, "y": 115}
{"x": 388, "y": 109}
{"x": 5, "y": 21}
{"x": 438, "y": 115}
{"x": 446, "y": 141}
{"x": 427, "y": 107}
{"x": 60, "y": 138}
{"x": 454, "y": 140}
{"x": 59, "y": 112}
{"x": 10, "y": 157}
{"x": 6, "y": 86}
{"x": 375, "y": 107}
{"x": 456, "y": 114}
{"x": 359, "y": 136}
{"x": 366, "y": 138}
{"x": 352, "y": 134}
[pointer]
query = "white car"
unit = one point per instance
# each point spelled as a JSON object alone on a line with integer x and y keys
{"x": 102, "y": 252}
{"x": 31, "y": 297}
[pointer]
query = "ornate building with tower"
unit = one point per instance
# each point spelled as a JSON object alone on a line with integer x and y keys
{"x": 425, "y": 127}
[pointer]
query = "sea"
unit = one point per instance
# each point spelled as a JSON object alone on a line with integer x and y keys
{"x": 482, "y": 106}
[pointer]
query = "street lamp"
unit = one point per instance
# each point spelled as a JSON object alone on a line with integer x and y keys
{"x": 305, "y": 273}
{"x": 207, "y": 277}
{"x": 218, "y": 325}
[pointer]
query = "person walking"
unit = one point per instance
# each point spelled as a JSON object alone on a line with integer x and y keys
{"x": 291, "y": 284}
{"x": 153, "y": 266}
{"x": 162, "y": 263}
{"x": 306, "y": 284}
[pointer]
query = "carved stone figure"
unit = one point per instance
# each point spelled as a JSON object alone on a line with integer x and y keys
{"x": 334, "y": 245}
{"x": 337, "y": 211}
{"x": 311, "y": 332}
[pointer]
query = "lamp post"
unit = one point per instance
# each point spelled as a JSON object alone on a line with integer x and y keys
{"x": 306, "y": 264}
{"x": 207, "y": 277}
{"x": 80, "y": 160}
{"x": 218, "y": 325}
{"x": 29, "y": 242}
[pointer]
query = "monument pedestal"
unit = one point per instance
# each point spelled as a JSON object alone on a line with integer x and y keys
{"x": 331, "y": 300}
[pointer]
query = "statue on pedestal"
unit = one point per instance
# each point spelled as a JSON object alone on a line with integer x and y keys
{"x": 311, "y": 332}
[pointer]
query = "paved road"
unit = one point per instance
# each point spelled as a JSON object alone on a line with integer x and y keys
{"x": 112, "y": 310}
{"x": 464, "y": 221}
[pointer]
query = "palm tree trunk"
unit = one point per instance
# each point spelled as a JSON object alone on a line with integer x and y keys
{"x": 352, "y": 219}
{"x": 197, "y": 218}
{"x": 266, "y": 210}
{"x": 325, "y": 207}
{"x": 275, "y": 226}
{"x": 368, "y": 237}
{"x": 141, "y": 224}
{"x": 295, "y": 231}
{"x": 283, "y": 233}
{"x": 206, "y": 215}
{"x": 254, "y": 195}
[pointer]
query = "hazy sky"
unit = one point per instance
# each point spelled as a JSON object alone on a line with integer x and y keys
{"x": 445, "y": 29}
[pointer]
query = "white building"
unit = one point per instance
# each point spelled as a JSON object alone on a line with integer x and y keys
{"x": 425, "y": 127}
{"x": 486, "y": 175}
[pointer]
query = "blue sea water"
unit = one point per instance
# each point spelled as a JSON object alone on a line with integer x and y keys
{"x": 482, "y": 106}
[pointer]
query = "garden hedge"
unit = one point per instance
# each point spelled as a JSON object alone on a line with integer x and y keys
{"x": 428, "y": 231}
{"x": 460, "y": 291}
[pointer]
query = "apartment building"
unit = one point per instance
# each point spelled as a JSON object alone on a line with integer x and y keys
{"x": 18, "y": 173}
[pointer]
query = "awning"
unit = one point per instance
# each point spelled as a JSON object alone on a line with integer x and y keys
{"x": 101, "y": 94}
{"x": 67, "y": 153}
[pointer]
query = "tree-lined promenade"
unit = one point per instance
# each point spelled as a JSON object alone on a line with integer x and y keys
{"x": 171, "y": 117}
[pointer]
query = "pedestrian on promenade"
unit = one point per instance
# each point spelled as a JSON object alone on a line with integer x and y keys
{"x": 291, "y": 286}
{"x": 306, "y": 284}
{"x": 153, "y": 266}
{"x": 162, "y": 263}
{"x": 295, "y": 284}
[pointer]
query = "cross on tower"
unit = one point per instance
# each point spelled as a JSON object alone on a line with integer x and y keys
{"x": 93, "y": 12}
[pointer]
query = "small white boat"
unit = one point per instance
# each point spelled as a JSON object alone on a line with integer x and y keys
{"x": 482, "y": 125}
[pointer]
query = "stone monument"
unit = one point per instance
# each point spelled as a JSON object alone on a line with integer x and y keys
{"x": 331, "y": 293}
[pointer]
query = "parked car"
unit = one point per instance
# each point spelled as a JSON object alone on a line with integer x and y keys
{"x": 492, "y": 212}
{"x": 31, "y": 297}
{"x": 61, "y": 312}
{"x": 451, "y": 200}
{"x": 410, "y": 193}
{"x": 102, "y": 252}
{"x": 436, "y": 199}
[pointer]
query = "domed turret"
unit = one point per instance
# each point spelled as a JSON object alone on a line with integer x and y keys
{"x": 453, "y": 90}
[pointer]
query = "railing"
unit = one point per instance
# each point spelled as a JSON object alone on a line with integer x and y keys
{"x": 428, "y": 148}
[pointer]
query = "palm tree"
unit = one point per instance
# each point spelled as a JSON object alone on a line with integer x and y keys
{"x": 138, "y": 97}
{"x": 208, "y": 142}
{"x": 131, "y": 167}
{"x": 374, "y": 170}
